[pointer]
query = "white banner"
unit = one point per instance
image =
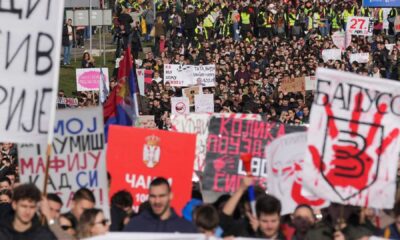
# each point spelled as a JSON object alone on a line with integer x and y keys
{"x": 331, "y": 54}
{"x": 359, "y": 57}
{"x": 204, "y": 103}
{"x": 89, "y": 79}
{"x": 204, "y": 75}
{"x": 140, "y": 79}
{"x": 353, "y": 140}
{"x": 77, "y": 159}
{"x": 180, "y": 105}
{"x": 30, "y": 40}
{"x": 359, "y": 26}
{"x": 311, "y": 83}
{"x": 284, "y": 169}
{"x": 178, "y": 75}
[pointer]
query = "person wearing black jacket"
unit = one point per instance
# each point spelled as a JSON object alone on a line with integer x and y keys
{"x": 161, "y": 217}
{"x": 21, "y": 221}
{"x": 67, "y": 40}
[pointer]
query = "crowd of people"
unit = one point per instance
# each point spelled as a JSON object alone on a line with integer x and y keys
{"x": 254, "y": 46}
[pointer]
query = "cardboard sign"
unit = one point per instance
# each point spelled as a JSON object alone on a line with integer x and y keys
{"x": 227, "y": 139}
{"x": 198, "y": 124}
{"x": 311, "y": 83}
{"x": 353, "y": 140}
{"x": 293, "y": 84}
{"x": 359, "y": 57}
{"x": 149, "y": 154}
{"x": 341, "y": 40}
{"x": 77, "y": 160}
{"x": 204, "y": 103}
{"x": 178, "y": 75}
{"x": 204, "y": 75}
{"x": 360, "y": 26}
{"x": 180, "y": 105}
{"x": 31, "y": 42}
{"x": 284, "y": 171}
{"x": 89, "y": 79}
{"x": 146, "y": 121}
{"x": 190, "y": 93}
{"x": 331, "y": 54}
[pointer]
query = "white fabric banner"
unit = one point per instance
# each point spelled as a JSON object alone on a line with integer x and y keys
{"x": 77, "y": 159}
{"x": 30, "y": 40}
{"x": 204, "y": 103}
{"x": 284, "y": 169}
{"x": 353, "y": 140}
{"x": 331, "y": 54}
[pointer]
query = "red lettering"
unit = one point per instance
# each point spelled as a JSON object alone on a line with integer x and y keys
{"x": 223, "y": 145}
{"x": 234, "y": 144}
{"x": 236, "y": 127}
{"x": 217, "y": 176}
{"x": 223, "y": 131}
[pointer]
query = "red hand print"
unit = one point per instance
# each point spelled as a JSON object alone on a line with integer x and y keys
{"x": 350, "y": 164}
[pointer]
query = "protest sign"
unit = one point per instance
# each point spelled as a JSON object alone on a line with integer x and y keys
{"x": 204, "y": 75}
{"x": 77, "y": 159}
{"x": 149, "y": 154}
{"x": 331, "y": 54}
{"x": 204, "y": 103}
{"x": 89, "y": 79}
{"x": 145, "y": 79}
{"x": 198, "y": 124}
{"x": 341, "y": 40}
{"x": 30, "y": 61}
{"x": 190, "y": 93}
{"x": 359, "y": 26}
{"x": 146, "y": 121}
{"x": 284, "y": 168}
{"x": 229, "y": 137}
{"x": 293, "y": 84}
{"x": 63, "y": 102}
{"x": 390, "y": 47}
{"x": 397, "y": 24}
{"x": 359, "y": 57}
{"x": 311, "y": 83}
{"x": 180, "y": 105}
{"x": 353, "y": 140}
{"x": 178, "y": 75}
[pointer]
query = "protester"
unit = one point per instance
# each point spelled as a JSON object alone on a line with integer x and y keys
{"x": 121, "y": 210}
{"x": 5, "y": 196}
{"x": 92, "y": 223}
{"x": 87, "y": 61}
{"x": 161, "y": 217}
{"x": 67, "y": 41}
{"x": 82, "y": 199}
{"x": 22, "y": 222}
{"x": 66, "y": 224}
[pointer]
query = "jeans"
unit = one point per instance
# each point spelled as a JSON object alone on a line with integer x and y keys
{"x": 148, "y": 37}
{"x": 67, "y": 54}
{"x": 236, "y": 36}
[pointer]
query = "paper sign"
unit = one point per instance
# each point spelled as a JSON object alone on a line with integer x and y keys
{"x": 204, "y": 103}
{"x": 284, "y": 171}
{"x": 77, "y": 160}
{"x": 359, "y": 57}
{"x": 293, "y": 84}
{"x": 30, "y": 39}
{"x": 227, "y": 139}
{"x": 204, "y": 75}
{"x": 359, "y": 26}
{"x": 311, "y": 83}
{"x": 89, "y": 79}
{"x": 190, "y": 93}
{"x": 146, "y": 154}
{"x": 331, "y": 54}
{"x": 180, "y": 105}
{"x": 353, "y": 140}
{"x": 340, "y": 40}
{"x": 178, "y": 75}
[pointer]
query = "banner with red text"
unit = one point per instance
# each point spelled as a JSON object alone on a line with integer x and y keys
{"x": 146, "y": 154}
{"x": 353, "y": 140}
{"x": 229, "y": 137}
{"x": 77, "y": 159}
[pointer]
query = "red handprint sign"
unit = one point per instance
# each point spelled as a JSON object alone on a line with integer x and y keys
{"x": 352, "y": 140}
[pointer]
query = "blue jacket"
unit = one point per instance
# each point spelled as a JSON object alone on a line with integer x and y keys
{"x": 148, "y": 222}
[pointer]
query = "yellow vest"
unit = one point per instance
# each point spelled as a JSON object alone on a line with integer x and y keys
{"x": 245, "y": 17}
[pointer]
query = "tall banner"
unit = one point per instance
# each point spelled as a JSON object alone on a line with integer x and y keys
{"x": 146, "y": 154}
{"x": 353, "y": 140}
{"x": 77, "y": 160}
{"x": 30, "y": 40}
{"x": 198, "y": 124}
{"x": 229, "y": 137}
{"x": 284, "y": 169}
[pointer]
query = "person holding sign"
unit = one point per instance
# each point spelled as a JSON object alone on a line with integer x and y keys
{"x": 161, "y": 217}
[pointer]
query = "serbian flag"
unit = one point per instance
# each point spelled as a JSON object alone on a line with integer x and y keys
{"x": 121, "y": 107}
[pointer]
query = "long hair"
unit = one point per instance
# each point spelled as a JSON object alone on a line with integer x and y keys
{"x": 87, "y": 221}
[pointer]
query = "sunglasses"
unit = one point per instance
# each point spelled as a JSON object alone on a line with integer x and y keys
{"x": 65, "y": 227}
{"x": 104, "y": 222}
